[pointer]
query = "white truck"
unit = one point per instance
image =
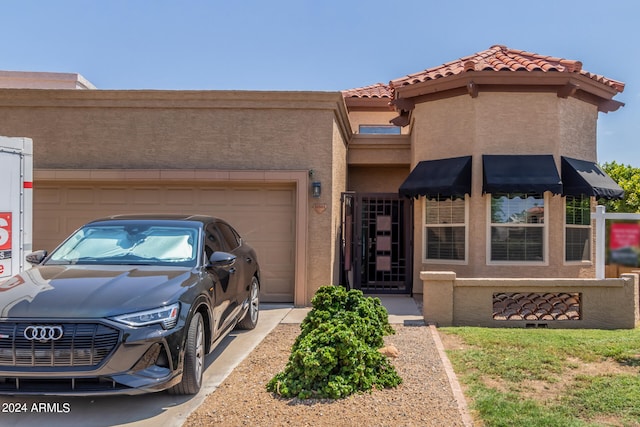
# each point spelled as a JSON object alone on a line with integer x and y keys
{"x": 16, "y": 205}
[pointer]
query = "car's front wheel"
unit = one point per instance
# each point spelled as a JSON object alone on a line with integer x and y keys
{"x": 250, "y": 319}
{"x": 193, "y": 359}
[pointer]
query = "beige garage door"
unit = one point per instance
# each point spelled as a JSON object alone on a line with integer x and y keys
{"x": 263, "y": 214}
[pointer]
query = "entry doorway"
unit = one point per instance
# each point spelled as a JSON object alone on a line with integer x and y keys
{"x": 376, "y": 243}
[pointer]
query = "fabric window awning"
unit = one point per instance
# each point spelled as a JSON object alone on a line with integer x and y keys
{"x": 444, "y": 177}
{"x": 520, "y": 174}
{"x": 585, "y": 178}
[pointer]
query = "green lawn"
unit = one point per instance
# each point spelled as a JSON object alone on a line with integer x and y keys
{"x": 548, "y": 377}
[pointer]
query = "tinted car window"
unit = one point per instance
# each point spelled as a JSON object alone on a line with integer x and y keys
{"x": 212, "y": 241}
{"x": 230, "y": 236}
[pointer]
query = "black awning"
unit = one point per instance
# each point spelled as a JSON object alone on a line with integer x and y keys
{"x": 444, "y": 177}
{"x": 584, "y": 178}
{"x": 520, "y": 174}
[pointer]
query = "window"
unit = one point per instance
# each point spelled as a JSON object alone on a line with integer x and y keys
{"x": 517, "y": 227}
{"x": 379, "y": 129}
{"x": 212, "y": 241}
{"x": 445, "y": 229}
{"x": 577, "y": 246}
{"x": 230, "y": 236}
{"x": 129, "y": 244}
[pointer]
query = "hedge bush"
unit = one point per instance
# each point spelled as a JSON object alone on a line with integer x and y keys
{"x": 336, "y": 353}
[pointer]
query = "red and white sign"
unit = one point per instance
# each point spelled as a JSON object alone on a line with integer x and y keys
{"x": 16, "y": 204}
{"x": 624, "y": 235}
{"x": 5, "y": 231}
{"x": 5, "y": 244}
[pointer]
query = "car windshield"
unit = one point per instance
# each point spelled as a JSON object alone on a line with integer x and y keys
{"x": 129, "y": 244}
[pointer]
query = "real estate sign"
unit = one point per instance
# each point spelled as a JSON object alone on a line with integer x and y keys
{"x": 624, "y": 243}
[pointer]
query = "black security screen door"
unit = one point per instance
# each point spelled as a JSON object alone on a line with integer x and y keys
{"x": 376, "y": 255}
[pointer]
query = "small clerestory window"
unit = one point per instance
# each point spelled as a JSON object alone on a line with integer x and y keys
{"x": 379, "y": 129}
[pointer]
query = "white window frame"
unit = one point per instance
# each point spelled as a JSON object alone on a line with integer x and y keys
{"x": 426, "y": 260}
{"x": 586, "y": 262}
{"x": 545, "y": 236}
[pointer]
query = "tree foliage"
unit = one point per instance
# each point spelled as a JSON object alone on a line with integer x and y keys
{"x": 628, "y": 178}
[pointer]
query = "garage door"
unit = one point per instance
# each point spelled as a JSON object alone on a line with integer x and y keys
{"x": 263, "y": 214}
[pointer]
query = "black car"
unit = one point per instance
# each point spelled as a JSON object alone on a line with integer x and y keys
{"x": 126, "y": 305}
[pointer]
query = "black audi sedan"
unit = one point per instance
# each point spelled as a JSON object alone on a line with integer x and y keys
{"x": 126, "y": 305}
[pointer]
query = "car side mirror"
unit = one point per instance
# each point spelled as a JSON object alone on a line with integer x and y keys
{"x": 36, "y": 257}
{"x": 221, "y": 259}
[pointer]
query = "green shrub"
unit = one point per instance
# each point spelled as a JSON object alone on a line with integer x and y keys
{"x": 336, "y": 353}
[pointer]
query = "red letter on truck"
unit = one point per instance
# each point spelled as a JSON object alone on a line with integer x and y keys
{"x": 5, "y": 231}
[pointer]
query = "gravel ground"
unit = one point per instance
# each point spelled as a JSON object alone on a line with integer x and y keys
{"x": 423, "y": 399}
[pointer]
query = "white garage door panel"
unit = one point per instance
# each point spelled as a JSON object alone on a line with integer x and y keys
{"x": 264, "y": 216}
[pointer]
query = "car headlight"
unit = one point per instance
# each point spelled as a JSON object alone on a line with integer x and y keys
{"x": 166, "y": 316}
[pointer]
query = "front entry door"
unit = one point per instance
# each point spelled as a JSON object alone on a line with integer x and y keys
{"x": 376, "y": 237}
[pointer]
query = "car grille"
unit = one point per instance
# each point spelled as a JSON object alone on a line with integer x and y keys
{"x": 61, "y": 386}
{"x": 82, "y": 344}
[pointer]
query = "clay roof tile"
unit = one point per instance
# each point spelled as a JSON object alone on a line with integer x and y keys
{"x": 502, "y": 58}
{"x": 378, "y": 90}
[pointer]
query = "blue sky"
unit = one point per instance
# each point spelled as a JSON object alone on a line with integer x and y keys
{"x": 319, "y": 45}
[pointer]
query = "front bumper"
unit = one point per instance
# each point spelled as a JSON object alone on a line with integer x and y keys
{"x": 93, "y": 358}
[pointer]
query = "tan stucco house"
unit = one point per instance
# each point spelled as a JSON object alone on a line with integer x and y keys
{"x": 484, "y": 166}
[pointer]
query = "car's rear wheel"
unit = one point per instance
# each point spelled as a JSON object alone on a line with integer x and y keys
{"x": 250, "y": 319}
{"x": 193, "y": 359}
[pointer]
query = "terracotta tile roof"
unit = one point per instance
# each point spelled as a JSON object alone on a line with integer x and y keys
{"x": 502, "y": 58}
{"x": 378, "y": 90}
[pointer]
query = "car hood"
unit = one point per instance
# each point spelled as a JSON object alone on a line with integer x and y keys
{"x": 90, "y": 291}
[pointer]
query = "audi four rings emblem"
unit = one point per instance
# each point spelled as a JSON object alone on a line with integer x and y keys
{"x": 43, "y": 333}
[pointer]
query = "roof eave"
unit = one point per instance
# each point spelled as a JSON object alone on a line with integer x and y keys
{"x": 506, "y": 78}
{"x": 355, "y": 103}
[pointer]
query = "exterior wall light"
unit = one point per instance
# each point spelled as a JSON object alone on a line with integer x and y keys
{"x": 316, "y": 189}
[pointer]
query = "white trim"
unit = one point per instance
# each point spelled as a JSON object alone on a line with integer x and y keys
{"x": 464, "y": 261}
{"x": 583, "y": 262}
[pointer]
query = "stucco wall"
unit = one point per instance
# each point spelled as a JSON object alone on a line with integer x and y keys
{"x": 578, "y": 129}
{"x": 131, "y": 129}
{"x": 379, "y": 150}
{"x": 339, "y": 184}
{"x": 603, "y": 303}
{"x": 502, "y": 123}
{"x": 357, "y": 118}
{"x": 377, "y": 179}
{"x": 226, "y": 130}
{"x": 43, "y": 80}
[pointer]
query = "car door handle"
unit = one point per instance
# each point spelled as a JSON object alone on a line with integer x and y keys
{"x": 232, "y": 270}
{"x": 249, "y": 260}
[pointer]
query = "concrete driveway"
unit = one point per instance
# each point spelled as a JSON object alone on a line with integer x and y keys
{"x": 157, "y": 409}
